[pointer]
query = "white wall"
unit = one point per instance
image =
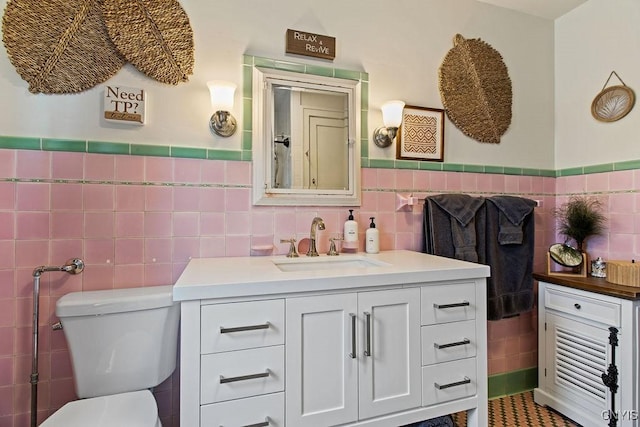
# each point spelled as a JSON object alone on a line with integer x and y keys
{"x": 400, "y": 45}
{"x": 596, "y": 38}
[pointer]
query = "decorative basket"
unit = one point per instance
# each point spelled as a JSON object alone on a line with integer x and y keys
{"x": 625, "y": 273}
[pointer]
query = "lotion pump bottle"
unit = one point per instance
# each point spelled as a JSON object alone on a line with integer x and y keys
{"x": 350, "y": 229}
{"x": 372, "y": 245}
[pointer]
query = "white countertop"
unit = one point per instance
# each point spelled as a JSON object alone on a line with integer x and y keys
{"x": 210, "y": 278}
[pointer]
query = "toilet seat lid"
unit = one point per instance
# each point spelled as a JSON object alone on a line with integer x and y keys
{"x": 134, "y": 409}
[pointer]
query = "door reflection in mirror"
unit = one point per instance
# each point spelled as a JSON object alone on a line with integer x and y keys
{"x": 310, "y": 148}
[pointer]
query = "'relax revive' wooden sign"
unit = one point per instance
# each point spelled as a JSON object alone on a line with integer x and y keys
{"x": 309, "y": 44}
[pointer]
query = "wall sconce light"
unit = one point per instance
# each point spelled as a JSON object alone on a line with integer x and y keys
{"x": 222, "y": 122}
{"x": 392, "y": 118}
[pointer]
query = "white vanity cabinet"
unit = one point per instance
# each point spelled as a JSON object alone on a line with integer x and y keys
{"x": 587, "y": 328}
{"x": 348, "y": 347}
{"x": 352, "y": 356}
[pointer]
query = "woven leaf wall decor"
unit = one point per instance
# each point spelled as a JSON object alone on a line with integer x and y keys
{"x": 476, "y": 89}
{"x": 59, "y": 46}
{"x": 154, "y": 35}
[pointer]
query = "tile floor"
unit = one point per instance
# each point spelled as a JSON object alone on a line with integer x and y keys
{"x": 519, "y": 410}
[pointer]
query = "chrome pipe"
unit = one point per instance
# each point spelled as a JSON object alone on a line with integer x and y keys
{"x": 72, "y": 266}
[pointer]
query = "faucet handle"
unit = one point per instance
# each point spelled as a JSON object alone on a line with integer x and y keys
{"x": 292, "y": 247}
{"x": 332, "y": 246}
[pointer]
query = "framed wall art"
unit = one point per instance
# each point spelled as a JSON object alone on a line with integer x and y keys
{"x": 421, "y": 135}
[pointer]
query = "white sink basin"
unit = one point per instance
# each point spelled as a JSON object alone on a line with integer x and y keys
{"x": 326, "y": 263}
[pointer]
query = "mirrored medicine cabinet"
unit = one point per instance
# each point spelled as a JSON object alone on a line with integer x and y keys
{"x": 306, "y": 139}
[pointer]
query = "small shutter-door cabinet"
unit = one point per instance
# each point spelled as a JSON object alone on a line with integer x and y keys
{"x": 583, "y": 335}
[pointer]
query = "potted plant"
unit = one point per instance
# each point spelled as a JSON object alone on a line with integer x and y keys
{"x": 580, "y": 218}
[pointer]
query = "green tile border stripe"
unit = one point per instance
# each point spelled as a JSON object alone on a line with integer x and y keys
{"x": 245, "y": 154}
{"x": 513, "y": 382}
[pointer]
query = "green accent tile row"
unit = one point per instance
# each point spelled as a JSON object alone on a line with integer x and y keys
{"x": 407, "y": 164}
{"x": 512, "y": 171}
{"x": 224, "y": 155}
{"x": 21, "y": 143}
{"x": 513, "y": 382}
{"x": 189, "y": 153}
{"x": 598, "y": 168}
{"x": 452, "y": 167}
{"x": 245, "y": 154}
{"x": 382, "y": 163}
{"x": 628, "y": 165}
{"x": 473, "y": 168}
{"x": 570, "y": 171}
{"x": 494, "y": 169}
{"x": 431, "y": 166}
{"x": 150, "y": 150}
{"x": 348, "y": 74}
{"x": 102, "y": 147}
{"x": 64, "y": 145}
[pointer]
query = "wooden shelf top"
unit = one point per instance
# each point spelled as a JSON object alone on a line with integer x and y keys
{"x": 592, "y": 284}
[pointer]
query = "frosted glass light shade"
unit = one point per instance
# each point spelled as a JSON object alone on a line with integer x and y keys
{"x": 222, "y": 94}
{"x": 392, "y": 113}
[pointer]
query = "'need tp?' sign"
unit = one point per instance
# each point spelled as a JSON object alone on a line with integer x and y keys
{"x": 309, "y": 44}
{"x": 124, "y": 104}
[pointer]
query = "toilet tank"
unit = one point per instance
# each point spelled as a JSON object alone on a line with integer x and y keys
{"x": 120, "y": 340}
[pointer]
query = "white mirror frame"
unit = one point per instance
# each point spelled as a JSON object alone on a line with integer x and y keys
{"x": 263, "y": 136}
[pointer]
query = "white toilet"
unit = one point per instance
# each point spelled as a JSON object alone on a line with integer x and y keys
{"x": 122, "y": 342}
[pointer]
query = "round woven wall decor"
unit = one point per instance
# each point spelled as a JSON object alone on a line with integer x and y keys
{"x": 613, "y": 102}
{"x": 59, "y": 46}
{"x": 476, "y": 89}
{"x": 154, "y": 35}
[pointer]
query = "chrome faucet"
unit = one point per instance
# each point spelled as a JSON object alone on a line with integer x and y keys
{"x": 317, "y": 223}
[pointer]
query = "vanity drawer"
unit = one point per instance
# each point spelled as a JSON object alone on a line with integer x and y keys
{"x": 244, "y": 373}
{"x": 448, "y": 303}
{"x": 448, "y": 381}
{"x": 267, "y": 410}
{"x": 579, "y": 305}
{"x": 242, "y": 325}
{"x": 452, "y": 341}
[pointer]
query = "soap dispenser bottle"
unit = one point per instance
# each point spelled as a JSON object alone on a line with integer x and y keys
{"x": 351, "y": 231}
{"x": 372, "y": 245}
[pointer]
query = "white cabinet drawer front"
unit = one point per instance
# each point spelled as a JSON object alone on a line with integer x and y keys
{"x": 242, "y": 325}
{"x": 453, "y": 341}
{"x": 244, "y": 373}
{"x": 604, "y": 312}
{"x": 448, "y": 303}
{"x": 448, "y": 381}
{"x": 267, "y": 410}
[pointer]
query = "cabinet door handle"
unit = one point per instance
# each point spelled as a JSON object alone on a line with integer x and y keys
{"x": 265, "y": 423}
{"x": 453, "y": 305}
{"x": 224, "y": 380}
{"x": 367, "y": 335}
{"x": 353, "y": 336}
{"x": 224, "y": 330}
{"x": 452, "y": 344}
{"x": 466, "y": 380}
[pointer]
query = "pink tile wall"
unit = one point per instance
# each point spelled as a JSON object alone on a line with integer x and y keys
{"x": 132, "y": 229}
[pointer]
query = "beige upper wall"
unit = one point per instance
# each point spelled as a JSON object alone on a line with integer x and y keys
{"x": 400, "y": 46}
{"x": 591, "y": 41}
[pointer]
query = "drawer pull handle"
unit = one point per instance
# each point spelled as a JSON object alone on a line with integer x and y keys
{"x": 265, "y": 423}
{"x": 224, "y": 380}
{"x": 577, "y": 306}
{"x": 453, "y": 305}
{"x": 452, "y": 344}
{"x": 466, "y": 380}
{"x": 224, "y": 330}
{"x": 367, "y": 336}
{"x": 353, "y": 336}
